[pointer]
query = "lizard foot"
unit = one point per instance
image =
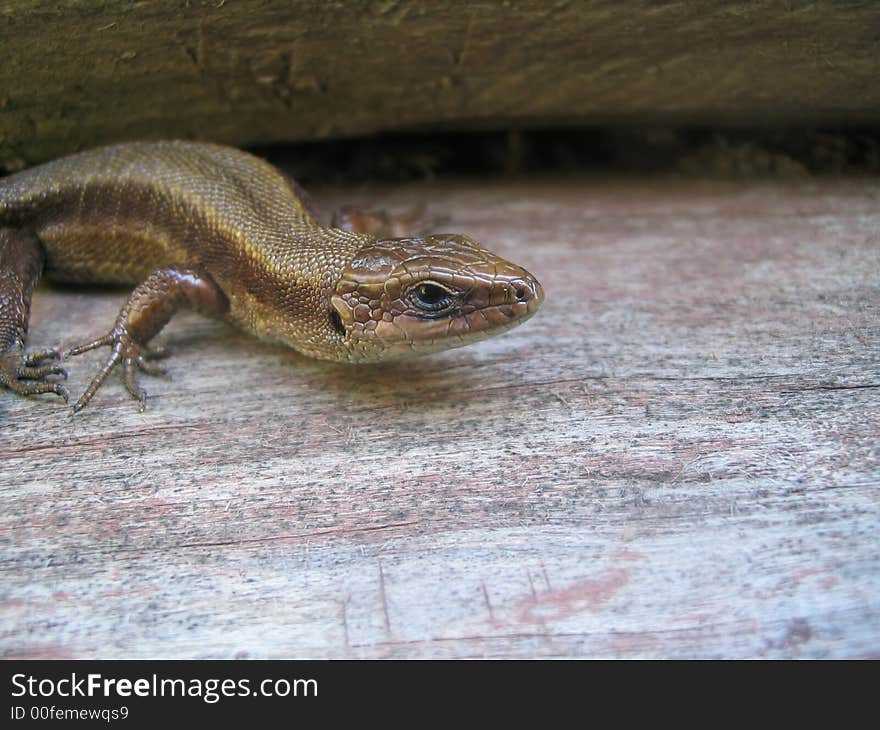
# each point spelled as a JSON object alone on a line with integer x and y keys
{"x": 127, "y": 351}
{"x": 29, "y": 374}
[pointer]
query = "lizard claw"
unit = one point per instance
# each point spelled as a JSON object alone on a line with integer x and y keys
{"x": 29, "y": 374}
{"x": 128, "y": 352}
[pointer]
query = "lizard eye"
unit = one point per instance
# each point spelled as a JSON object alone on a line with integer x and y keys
{"x": 429, "y": 296}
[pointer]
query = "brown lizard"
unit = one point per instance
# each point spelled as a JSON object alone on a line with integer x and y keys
{"x": 227, "y": 234}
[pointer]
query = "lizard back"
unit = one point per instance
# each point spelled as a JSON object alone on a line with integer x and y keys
{"x": 114, "y": 214}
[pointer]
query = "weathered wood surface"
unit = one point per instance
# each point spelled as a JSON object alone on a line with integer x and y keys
{"x": 77, "y": 73}
{"x": 678, "y": 457}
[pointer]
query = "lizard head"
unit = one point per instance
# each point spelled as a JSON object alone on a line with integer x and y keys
{"x": 406, "y": 296}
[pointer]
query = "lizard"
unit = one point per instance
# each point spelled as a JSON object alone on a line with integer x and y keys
{"x": 221, "y": 231}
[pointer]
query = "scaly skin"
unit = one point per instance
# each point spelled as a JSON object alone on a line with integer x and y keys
{"x": 221, "y": 231}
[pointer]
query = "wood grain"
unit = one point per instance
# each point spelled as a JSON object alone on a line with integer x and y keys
{"x": 678, "y": 457}
{"x": 77, "y": 73}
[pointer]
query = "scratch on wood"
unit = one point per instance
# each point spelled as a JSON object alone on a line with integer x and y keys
{"x": 294, "y": 536}
{"x": 587, "y": 595}
{"x": 488, "y": 602}
{"x": 544, "y": 573}
{"x": 344, "y": 609}
{"x": 384, "y": 599}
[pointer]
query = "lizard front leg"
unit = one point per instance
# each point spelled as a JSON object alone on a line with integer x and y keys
{"x": 21, "y": 263}
{"x": 148, "y": 309}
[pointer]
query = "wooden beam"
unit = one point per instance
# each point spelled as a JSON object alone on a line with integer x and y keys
{"x": 75, "y": 74}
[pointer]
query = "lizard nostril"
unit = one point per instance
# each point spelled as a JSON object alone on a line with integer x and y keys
{"x": 521, "y": 290}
